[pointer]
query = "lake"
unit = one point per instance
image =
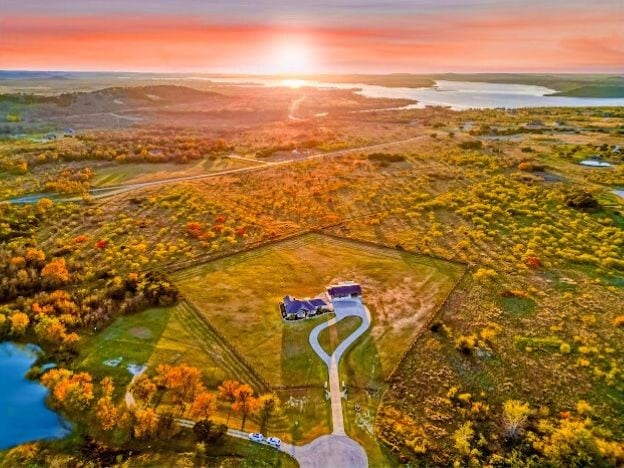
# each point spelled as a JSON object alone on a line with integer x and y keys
{"x": 24, "y": 416}
{"x": 457, "y": 95}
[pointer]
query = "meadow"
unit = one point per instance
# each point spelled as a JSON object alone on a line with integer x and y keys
{"x": 239, "y": 296}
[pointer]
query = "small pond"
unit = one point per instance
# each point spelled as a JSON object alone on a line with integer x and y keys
{"x": 24, "y": 416}
{"x": 594, "y": 163}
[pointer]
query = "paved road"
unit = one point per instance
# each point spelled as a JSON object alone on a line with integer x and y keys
{"x": 328, "y": 451}
{"x": 335, "y": 450}
{"x": 117, "y": 189}
{"x": 129, "y": 397}
{"x": 102, "y": 192}
{"x": 343, "y": 309}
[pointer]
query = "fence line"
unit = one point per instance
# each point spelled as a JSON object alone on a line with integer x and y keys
{"x": 230, "y": 347}
{"x": 424, "y": 328}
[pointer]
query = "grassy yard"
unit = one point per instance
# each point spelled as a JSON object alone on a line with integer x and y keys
{"x": 331, "y": 337}
{"x": 239, "y": 297}
{"x": 128, "y": 341}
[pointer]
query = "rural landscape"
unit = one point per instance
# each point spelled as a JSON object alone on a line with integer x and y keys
{"x": 305, "y": 267}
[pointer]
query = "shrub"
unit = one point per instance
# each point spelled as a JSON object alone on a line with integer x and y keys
{"x": 466, "y": 343}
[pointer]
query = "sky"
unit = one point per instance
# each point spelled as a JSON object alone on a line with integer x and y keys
{"x": 305, "y": 36}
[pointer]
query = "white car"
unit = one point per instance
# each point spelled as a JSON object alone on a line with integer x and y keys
{"x": 274, "y": 442}
{"x": 256, "y": 437}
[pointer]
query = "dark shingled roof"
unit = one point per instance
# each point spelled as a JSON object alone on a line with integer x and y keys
{"x": 344, "y": 290}
{"x": 293, "y": 306}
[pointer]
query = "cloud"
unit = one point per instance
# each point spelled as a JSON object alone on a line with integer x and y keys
{"x": 443, "y": 38}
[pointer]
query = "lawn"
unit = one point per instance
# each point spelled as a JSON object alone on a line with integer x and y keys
{"x": 239, "y": 297}
{"x": 128, "y": 341}
{"x": 331, "y": 337}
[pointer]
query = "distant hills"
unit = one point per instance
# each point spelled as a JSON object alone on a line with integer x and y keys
{"x": 564, "y": 84}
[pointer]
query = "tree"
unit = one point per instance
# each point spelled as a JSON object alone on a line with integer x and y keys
{"x": 463, "y": 436}
{"x": 73, "y": 391}
{"x": 268, "y": 404}
{"x": 245, "y": 403}
{"x": 167, "y": 427}
{"x": 202, "y": 429}
{"x": 144, "y": 388}
{"x": 227, "y": 392}
{"x": 207, "y": 431}
{"x": 515, "y": 415}
{"x": 35, "y": 256}
{"x": 19, "y": 323}
{"x": 107, "y": 413}
{"x": 56, "y": 271}
{"x": 183, "y": 381}
{"x": 146, "y": 423}
{"x": 204, "y": 405}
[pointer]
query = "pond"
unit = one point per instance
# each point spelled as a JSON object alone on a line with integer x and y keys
{"x": 594, "y": 163}
{"x": 24, "y": 416}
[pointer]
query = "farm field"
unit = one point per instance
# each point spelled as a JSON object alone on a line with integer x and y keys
{"x": 401, "y": 289}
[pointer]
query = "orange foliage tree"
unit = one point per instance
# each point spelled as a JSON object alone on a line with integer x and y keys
{"x": 246, "y": 403}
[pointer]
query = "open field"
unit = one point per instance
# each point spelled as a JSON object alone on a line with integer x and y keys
{"x": 239, "y": 296}
{"x": 128, "y": 341}
{"x": 134, "y": 173}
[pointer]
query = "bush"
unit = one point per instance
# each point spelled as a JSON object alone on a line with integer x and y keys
{"x": 471, "y": 145}
{"x": 581, "y": 199}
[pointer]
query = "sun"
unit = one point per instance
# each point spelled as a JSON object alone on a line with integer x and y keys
{"x": 292, "y": 58}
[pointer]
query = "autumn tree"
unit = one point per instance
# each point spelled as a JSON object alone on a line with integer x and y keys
{"x": 204, "y": 405}
{"x": 73, "y": 391}
{"x": 19, "y": 323}
{"x": 55, "y": 272}
{"x": 34, "y": 256}
{"x": 144, "y": 388}
{"x": 268, "y": 404}
{"x": 245, "y": 402}
{"x": 515, "y": 415}
{"x": 183, "y": 381}
{"x": 146, "y": 423}
{"x": 227, "y": 392}
{"x": 106, "y": 411}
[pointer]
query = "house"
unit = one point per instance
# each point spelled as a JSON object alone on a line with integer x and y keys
{"x": 344, "y": 289}
{"x": 295, "y": 309}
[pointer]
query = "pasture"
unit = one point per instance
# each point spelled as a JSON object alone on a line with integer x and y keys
{"x": 239, "y": 296}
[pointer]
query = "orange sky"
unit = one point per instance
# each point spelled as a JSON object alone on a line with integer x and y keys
{"x": 489, "y": 39}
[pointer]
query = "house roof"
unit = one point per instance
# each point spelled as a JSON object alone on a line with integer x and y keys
{"x": 293, "y": 306}
{"x": 344, "y": 289}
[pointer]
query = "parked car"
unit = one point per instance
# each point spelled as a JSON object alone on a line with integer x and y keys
{"x": 274, "y": 442}
{"x": 256, "y": 437}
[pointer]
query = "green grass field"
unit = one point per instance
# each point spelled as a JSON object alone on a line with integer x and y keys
{"x": 129, "y": 340}
{"x": 239, "y": 297}
{"x": 331, "y": 337}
